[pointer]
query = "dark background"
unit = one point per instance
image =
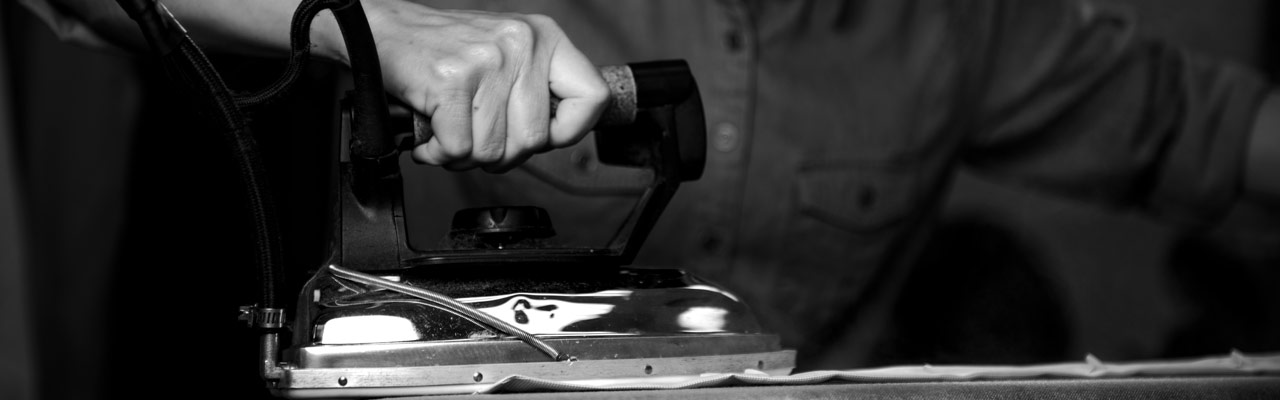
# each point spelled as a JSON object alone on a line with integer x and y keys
{"x": 130, "y": 209}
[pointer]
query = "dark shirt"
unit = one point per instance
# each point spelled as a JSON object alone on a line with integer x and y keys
{"x": 835, "y": 127}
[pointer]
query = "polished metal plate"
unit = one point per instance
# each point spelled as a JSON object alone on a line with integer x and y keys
{"x": 460, "y": 379}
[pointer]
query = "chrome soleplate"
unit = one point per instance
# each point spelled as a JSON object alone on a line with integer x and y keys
{"x": 463, "y": 379}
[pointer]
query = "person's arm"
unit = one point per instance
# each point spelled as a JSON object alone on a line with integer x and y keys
{"x": 484, "y": 79}
{"x": 1075, "y": 102}
{"x": 1262, "y": 175}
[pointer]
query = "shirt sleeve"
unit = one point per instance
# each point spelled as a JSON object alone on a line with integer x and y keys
{"x": 1075, "y": 103}
{"x": 66, "y": 26}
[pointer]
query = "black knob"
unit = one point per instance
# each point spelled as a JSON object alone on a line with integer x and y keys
{"x": 500, "y": 227}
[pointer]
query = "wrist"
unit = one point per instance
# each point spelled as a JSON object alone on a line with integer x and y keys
{"x": 326, "y": 38}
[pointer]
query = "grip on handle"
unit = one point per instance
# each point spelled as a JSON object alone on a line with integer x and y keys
{"x": 621, "y": 110}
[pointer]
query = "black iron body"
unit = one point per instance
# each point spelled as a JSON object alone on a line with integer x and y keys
{"x": 665, "y": 133}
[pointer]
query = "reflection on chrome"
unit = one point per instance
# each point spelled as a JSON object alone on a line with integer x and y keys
{"x": 594, "y": 303}
{"x": 539, "y": 315}
{"x": 367, "y": 329}
{"x": 602, "y": 293}
{"x": 710, "y": 288}
{"x": 703, "y": 319}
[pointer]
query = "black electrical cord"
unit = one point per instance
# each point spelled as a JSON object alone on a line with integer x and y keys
{"x": 187, "y": 66}
{"x": 299, "y": 54}
{"x": 369, "y": 106}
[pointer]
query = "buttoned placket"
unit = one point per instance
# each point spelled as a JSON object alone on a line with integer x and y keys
{"x": 728, "y": 131}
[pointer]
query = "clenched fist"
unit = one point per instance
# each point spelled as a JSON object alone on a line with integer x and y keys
{"x": 486, "y": 82}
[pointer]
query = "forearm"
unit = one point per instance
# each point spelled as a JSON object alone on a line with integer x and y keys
{"x": 485, "y": 79}
{"x": 246, "y": 27}
{"x": 1262, "y": 170}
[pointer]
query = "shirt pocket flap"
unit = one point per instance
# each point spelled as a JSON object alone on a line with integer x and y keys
{"x": 856, "y": 198}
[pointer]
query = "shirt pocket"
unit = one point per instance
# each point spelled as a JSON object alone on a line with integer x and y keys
{"x": 857, "y": 196}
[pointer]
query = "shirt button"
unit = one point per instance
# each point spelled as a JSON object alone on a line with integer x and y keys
{"x": 733, "y": 41}
{"x": 726, "y": 137}
{"x": 710, "y": 243}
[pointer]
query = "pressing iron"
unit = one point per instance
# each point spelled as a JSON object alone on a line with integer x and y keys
{"x": 499, "y": 296}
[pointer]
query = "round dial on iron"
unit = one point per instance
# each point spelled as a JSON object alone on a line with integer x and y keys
{"x": 500, "y": 227}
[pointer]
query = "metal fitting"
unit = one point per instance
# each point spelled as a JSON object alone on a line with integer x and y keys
{"x": 264, "y": 318}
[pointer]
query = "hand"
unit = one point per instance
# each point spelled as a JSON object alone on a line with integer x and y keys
{"x": 485, "y": 80}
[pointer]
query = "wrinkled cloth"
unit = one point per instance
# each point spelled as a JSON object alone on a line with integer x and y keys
{"x": 1233, "y": 364}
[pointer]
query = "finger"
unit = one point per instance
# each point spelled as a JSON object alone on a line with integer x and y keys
{"x": 451, "y": 127}
{"x": 582, "y": 91}
{"x": 489, "y": 121}
{"x": 528, "y": 118}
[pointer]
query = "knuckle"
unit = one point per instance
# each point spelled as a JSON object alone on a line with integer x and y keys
{"x": 452, "y": 72}
{"x": 514, "y": 32}
{"x": 484, "y": 55}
